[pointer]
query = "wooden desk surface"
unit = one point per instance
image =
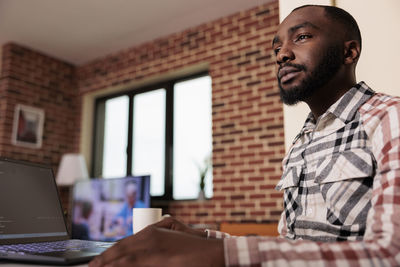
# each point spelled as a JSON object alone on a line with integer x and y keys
{"x": 19, "y": 264}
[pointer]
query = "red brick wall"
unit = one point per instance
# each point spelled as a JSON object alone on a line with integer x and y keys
{"x": 33, "y": 79}
{"x": 248, "y": 141}
{"x": 247, "y": 114}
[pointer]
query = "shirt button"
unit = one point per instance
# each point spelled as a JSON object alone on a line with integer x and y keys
{"x": 310, "y": 211}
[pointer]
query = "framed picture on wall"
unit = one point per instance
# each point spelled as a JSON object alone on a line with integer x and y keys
{"x": 28, "y": 126}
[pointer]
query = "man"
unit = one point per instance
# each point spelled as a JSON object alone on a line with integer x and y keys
{"x": 80, "y": 225}
{"x": 122, "y": 223}
{"x": 341, "y": 177}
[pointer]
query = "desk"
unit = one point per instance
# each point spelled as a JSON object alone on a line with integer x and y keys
{"x": 240, "y": 229}
{"x": 9, "y": 264}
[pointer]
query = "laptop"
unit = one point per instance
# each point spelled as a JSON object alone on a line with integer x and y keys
{"x": 32, "y": 224}
{"x": 102, "y": 208}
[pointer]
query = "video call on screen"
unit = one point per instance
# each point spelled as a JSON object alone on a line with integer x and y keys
{"x": 102, "y": 208}
{"x": 29, "y": 204}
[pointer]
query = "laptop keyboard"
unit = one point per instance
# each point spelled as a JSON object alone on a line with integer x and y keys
{"x": 54, "y": 246}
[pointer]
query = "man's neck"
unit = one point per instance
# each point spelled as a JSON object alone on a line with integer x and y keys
{"x": 325, "y": 97}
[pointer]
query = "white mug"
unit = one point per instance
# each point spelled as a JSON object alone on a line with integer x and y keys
{"x": 142, "y": 217}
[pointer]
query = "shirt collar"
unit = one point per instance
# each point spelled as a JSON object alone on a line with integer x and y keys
{"x": 347, "y": 106}
{"x": 344, "y": 109}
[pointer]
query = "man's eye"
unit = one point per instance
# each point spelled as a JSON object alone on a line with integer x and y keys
{"x": 302, "y": 37}
{"x": 276, "y": 50}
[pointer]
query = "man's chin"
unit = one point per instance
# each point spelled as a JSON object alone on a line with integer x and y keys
{"x": 290, "y": 95}
{"x": 290, "y": 101}
{"x": 289, "y": 85}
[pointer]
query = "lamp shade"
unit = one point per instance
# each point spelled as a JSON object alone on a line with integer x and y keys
{"x": 71, "y": 169}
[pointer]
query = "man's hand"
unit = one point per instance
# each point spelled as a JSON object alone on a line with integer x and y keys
{"x": 174, "y": 224}
{"x": 154, "y": 246}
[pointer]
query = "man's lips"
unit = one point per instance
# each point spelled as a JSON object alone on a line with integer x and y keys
{"x": 287, "y": 73}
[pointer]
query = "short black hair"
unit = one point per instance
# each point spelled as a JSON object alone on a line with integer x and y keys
{"x": 352, "y": 31}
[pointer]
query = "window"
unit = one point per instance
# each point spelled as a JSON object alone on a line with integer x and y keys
{"x": 192, "y": 136}
{"x": 149, "y": 138}
{"x": 115, "y": 136}
{"x": 162, "y": 130}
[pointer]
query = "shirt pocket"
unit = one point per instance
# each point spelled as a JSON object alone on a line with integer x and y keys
{"x": 290, "y": 178}
{"x": 345, "y": 181}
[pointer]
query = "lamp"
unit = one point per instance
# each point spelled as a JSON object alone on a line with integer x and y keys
{"x": 71, "y": 169}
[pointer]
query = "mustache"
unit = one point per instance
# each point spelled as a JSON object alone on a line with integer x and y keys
{"x": 288, "y": 64}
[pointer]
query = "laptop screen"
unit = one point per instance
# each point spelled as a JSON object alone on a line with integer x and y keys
{"x": 102, "y": 208}
{"x": 29, "y": 204}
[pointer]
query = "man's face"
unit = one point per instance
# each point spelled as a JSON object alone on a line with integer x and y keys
{"x": 131, "y": 194}
{"x": 308, "y": 54}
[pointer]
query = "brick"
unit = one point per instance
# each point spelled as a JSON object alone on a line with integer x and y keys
{"x": 237, "y": 197}
{"x": 276, "y": 195}
{"x": 256, "y": 162}
{"x": 257, "y": 196}
{"x": 247, "y": 155}
{"x": 256, "y": 178}
{"x": 267, "y": 170}
{"x": 219, "y": 198}
{"x": 227, "y": 206}
{"x": 280, "y": 143}
{"x": 276, "y": 160}
{"x": 267, "y": 136}
{"x": 247, "y": 138}
{"x": 227, "y": 172}
{"x": 219, "y": 181}
{"x": 229, "y": 125}
{"x": 252, "y": 53}
{"x": 275, "y": 213}
{"x": 263, "y": 12}
{"x": 267, "y": 153}
{"x": 256, "y": 129}
{"x": 238, "y": 213}
{"x": 209, "y": 206}
{"x": 244, "y": 77}
{"x": 247, "y": 205}
{"x": 237, "y": 180}
{"x": 267, "y": 187}
{"x": 247, "y": 187}
{"x": 243, "y": 63}
{"x": 228, "y": 188}
{"x": 275, "y": 177}
{"x": 235, "y": 148}
{"x": 268, "y": 204}
{"x": 257, "y": 213}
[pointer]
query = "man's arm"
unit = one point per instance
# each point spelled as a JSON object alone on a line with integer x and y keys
{"x": 155, "y": 246}
{"x": 173, "y": 224}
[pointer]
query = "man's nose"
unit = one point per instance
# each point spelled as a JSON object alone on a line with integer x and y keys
{"x": 285, "y": 54}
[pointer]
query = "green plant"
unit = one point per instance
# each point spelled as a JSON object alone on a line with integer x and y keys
{"x": 203, "y": 170}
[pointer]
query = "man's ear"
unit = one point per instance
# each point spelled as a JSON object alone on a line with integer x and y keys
{"x": 352, "y": 51}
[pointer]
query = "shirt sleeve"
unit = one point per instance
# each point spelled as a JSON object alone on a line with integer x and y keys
{"x": 381, "y": 244}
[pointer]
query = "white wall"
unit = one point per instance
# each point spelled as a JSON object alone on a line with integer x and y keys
{"x": 379, "y": 22}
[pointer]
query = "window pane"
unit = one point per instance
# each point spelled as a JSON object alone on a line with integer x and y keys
{"x": 192, "y": 137}
{"x": 149, "y": 138}
{"x": 115, "y": 137}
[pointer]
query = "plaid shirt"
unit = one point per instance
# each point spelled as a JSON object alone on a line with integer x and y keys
{"x": 341, "y": 182}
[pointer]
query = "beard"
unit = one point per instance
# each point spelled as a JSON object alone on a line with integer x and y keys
{"x": 323, "y": 73}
